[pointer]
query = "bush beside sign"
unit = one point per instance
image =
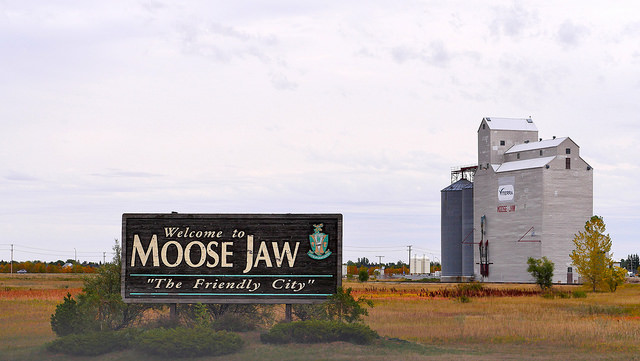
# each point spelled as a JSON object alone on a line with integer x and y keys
{"x": 231, "y": 258}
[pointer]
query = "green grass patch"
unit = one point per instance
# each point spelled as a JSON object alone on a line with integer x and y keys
{"x": 604, "y": 310}
{"x": 396, "y": 345}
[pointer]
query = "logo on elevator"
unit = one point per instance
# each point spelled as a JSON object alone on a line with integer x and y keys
{"x": 505, "y": 193}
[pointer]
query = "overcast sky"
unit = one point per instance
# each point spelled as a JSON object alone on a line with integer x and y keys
{"x": 352, "y": 107}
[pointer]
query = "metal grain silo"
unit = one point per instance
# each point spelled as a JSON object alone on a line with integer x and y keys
{"x": 467, "y": 231}
{"x": 451, "y": 230}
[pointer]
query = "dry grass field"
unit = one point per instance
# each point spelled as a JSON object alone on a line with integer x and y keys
{"x": 26, "y": 303}
{"x": 607, "y": 323}
{"x": 602, "y": 326}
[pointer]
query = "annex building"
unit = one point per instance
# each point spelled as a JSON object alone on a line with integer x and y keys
{"x": 526, "y": 197}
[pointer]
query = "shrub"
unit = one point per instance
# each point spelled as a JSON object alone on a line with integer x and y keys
{"x": 615, "y": 276}
{"x": 99, "y": 306}
{"x": 548, "y": 295}
{"x": 579, "y": 294}
{"x": 101, "y": 297}
{"x": 542, "y": 270}
{"x": 188, "y": 342}
{"x": 92, "y": 343}
{"x": 551, "y": 293}
{"x": 316, "y": 331}
{"x": 363, "y": 275}
{"x": 306, "y": 312}
{"x": 341, "y": 306}
{"x": 234, "y": 323}
{"x": 470, "y": 288}
{"x": 63, "y": 321}
{"x": 230, "y": 317}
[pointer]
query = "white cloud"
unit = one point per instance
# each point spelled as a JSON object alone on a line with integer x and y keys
{"x": 570, "y": 34}
{"x": 513, "y": 21}
{"x": 360, "y": 108}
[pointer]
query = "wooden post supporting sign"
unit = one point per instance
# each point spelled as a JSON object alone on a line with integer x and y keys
{"x": 288, "y": 317}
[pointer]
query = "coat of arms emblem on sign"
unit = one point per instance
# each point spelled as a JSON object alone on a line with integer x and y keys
{"x": 319, "y": 243}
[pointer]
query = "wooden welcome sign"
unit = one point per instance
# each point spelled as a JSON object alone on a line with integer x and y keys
{"x": 231, "y": 258}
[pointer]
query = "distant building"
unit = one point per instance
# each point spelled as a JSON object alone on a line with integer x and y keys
{"x": 420, "y": 265}
{"x": 530, "y": 197}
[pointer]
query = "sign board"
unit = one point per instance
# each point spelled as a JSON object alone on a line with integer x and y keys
{"x": 507, "y": 209}
{"x": 505, "y": 193}
{"x": 506, "y": 189}
{"x": 231, "y": 258}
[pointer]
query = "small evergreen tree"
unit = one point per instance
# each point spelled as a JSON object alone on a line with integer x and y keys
{"x": 363, "y": 274}
{"x": 343, "y": 307}
{"x": 69, "y": 318}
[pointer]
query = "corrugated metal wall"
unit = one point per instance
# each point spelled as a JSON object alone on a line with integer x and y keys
{"x": 467, "y": 230}
{"x": 451, "y": 228}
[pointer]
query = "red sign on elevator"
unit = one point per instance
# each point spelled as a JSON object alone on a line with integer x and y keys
{"x": 507, "y": 209}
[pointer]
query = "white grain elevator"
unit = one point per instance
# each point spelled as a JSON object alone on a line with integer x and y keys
{"x": 530, "y": 197}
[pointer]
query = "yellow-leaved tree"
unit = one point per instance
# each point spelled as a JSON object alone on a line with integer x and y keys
{"x": 591, "y": 256}
{"x": 617, "y": 276}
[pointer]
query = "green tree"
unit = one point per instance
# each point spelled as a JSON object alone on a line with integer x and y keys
{"x": 363, "y": 274}
{"x": 591, "y": 254}
{"x": 631, "y": 263}
{"x": 364, "y": 262}
{"x": 101, "y": 294}
{"x": 67, "y": 318}
{"x": 343, "y": 307}
{"x": 100, "y": 304}
{"x": 542, "y": 270}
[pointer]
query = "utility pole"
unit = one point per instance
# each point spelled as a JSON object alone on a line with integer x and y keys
{"x": 380, "y": 259}
{"x": 11, "y": 259}
{"x": 409, "y": 258}
{"x": 75, "y": 255}
{"x": 104, "y": 254}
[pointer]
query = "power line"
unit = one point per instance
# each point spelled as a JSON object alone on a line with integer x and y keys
{"x": 58, "y": 251}
{"x": 49, "y": 250}
{"x": 60, "y": 254}
{"x": 426, "y": 250}
{"x": 367, "y": 247}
